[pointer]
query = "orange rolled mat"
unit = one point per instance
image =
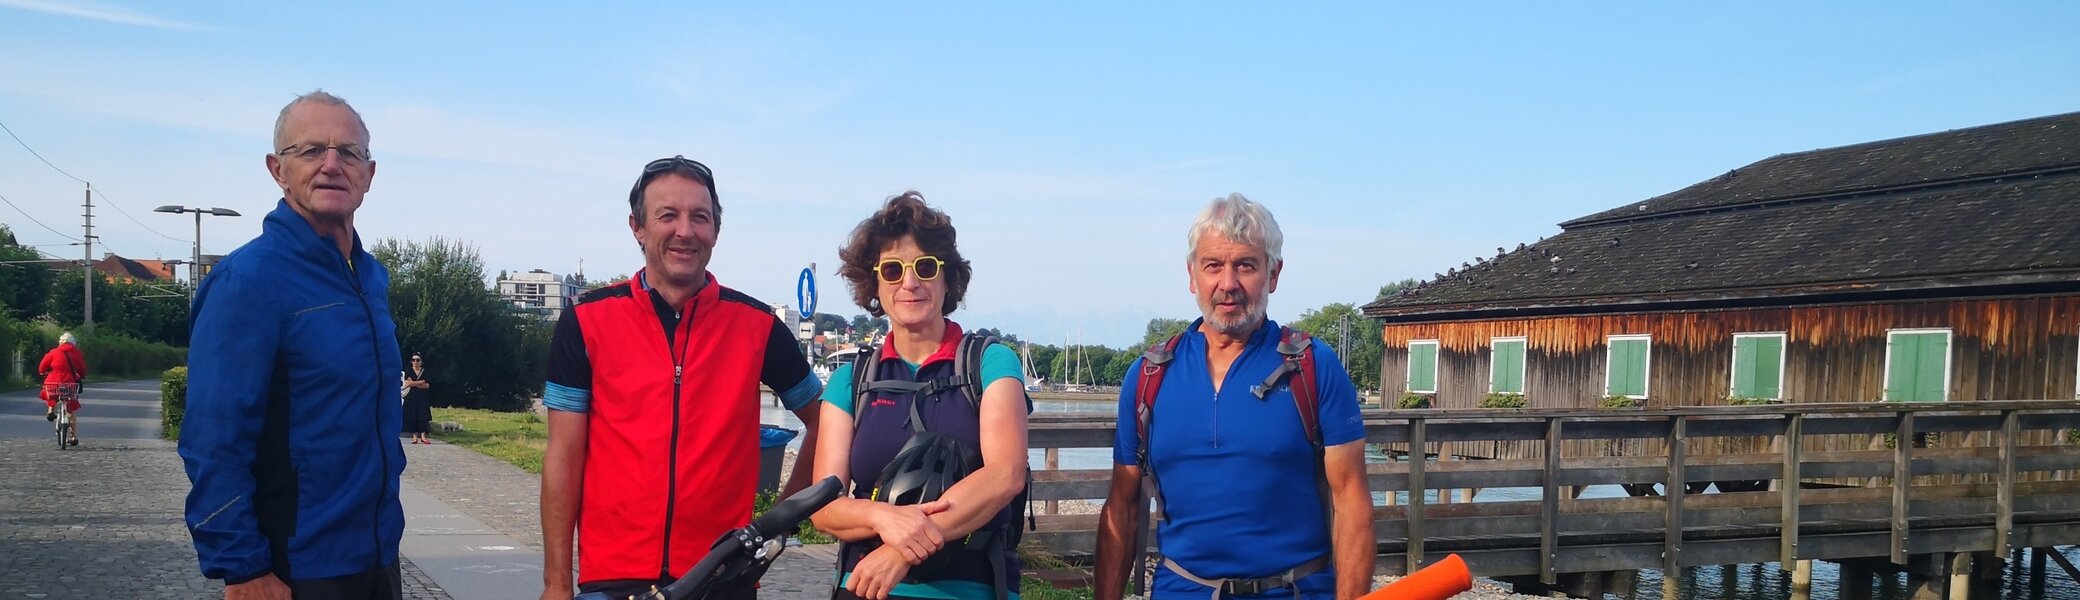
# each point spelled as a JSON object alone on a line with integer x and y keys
{"x": 1440, "y": 580}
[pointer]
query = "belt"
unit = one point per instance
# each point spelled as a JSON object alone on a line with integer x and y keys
{"x": 1250, "y": 586}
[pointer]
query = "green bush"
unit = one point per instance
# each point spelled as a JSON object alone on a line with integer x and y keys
{"x": 1415, "y": 401}
{"x": 2073, "y": 435}
{"x": 30, "y": 342}
{"x": 1746, "y": 401}
{"x": 1503, "y": 400}
{"x": 1622, "y": 402}
{"x": 121, "y": 356}
{"x": 173, "y": 401}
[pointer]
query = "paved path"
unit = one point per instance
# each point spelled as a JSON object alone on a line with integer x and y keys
{"x": 104, "y": 520}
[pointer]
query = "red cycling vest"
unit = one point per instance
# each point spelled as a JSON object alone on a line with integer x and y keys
{"x": 672, "y": 439}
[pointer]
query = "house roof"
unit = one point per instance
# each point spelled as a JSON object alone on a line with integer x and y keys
{"x": 1973, "y": 207}
{"x": 141, "y": 270}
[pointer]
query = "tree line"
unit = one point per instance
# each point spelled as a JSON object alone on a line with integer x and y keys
{"x": 1354, "y": 336}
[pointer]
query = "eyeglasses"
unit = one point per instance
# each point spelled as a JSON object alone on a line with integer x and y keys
{"x": 352, "y": 154}
{"x": 926, "y": 267}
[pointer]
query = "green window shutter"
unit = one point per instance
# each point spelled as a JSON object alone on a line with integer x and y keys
{"x": 1639, "y": 368}
{"x": 1422, "y": 367}
{"x": 1516, "y": 367}
{"x": 1744, "y": 351}
{"x": 1769, "y": 367}
{"x": 1934, "y": 355}
{"x": 1614, "y": 379}
{"x": 1914, "y": 373}
{"x": 1904, "y": 357}
{"x": 1507, "y": 368}
{"x": 1628, "y": 368}
{"x": 1757, "y": 367}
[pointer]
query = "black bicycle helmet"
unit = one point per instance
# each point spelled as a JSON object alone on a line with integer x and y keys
{"x": 921, "y": 472}
{"x": 924, "y": 469}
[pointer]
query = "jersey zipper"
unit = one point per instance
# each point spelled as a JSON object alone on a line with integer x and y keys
{"x": 375, "y": 527}
{"x": 671, "y": 487}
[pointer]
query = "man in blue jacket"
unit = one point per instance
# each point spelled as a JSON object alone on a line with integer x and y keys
{"x": 293, "y": 418}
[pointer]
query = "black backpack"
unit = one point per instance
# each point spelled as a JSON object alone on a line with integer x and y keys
{"x": 966, "y": 376}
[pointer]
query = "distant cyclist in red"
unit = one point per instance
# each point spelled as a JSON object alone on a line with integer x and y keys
{"x": 63, "y": 365}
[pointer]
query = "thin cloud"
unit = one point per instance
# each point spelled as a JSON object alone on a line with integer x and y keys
{"x": 101, "y": 12}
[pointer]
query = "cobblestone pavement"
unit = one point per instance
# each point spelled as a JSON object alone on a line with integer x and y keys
{"x": 507, "y": 498}
{"x": 104, "y": 520}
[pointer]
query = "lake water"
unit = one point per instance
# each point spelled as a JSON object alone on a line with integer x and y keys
{"x": 1731, "y": 582}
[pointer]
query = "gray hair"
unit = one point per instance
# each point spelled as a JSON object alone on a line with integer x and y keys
{"x": 1239, "y": 220}
{"x": 322, "y": 97}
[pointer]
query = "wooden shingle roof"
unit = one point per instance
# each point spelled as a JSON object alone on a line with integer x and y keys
{"x": 1992, "y": 205}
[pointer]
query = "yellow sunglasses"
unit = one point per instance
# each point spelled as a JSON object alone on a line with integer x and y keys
{"x": 927, "y": 268}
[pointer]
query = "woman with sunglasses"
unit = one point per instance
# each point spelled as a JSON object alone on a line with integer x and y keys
{"x": 931, "y": 534}
{"x": 418, "y": 401}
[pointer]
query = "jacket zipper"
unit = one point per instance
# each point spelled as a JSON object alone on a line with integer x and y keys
{"x": 375, "y": 524}
{"x": 671, "y": 486}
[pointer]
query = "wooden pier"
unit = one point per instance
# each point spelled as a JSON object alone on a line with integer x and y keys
{"x": 1943, "y": 483}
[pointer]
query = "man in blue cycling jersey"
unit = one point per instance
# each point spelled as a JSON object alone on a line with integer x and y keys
{"x": 1238, "y": 481}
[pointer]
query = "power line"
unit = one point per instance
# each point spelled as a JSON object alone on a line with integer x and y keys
{"x": 126, "y": 215}
{"x": 33, "y": 219}
{"x": 32, "y": 152}
{"x": 90, "y": 186}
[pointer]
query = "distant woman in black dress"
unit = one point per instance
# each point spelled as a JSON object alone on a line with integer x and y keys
{"x": 418, "y": 402}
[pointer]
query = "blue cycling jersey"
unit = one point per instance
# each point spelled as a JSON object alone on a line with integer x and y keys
{"x": 1238, "y": 476}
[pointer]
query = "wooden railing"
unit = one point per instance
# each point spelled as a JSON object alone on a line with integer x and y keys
{"x": 1998, "y": 481}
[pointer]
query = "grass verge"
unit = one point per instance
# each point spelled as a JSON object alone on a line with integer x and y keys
{"x": 517, "y": 438}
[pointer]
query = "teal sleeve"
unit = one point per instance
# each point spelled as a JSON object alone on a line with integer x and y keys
{"x": 838, "y": 391}
{"x": 1000, "y": 362}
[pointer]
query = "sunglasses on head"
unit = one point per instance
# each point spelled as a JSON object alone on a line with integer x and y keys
{"x": 927, "y": 268}
{"x": 666, "y": 164}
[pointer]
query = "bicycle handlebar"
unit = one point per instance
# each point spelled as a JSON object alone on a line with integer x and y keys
{"x": 745, "y": 543}
{"x": 1442, "y": 579}
{"x": 791, "y": 512}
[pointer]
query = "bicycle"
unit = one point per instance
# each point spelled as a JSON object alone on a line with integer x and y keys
{"x": 65, "y": 394}
{"x": 744, "y": 554}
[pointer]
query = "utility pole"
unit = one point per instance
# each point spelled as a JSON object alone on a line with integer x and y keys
{"x": 87, "y": 280}
{"x": 1343, "y": 334}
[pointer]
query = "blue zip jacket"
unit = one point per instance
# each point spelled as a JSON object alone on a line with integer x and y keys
{"x": 293, "y": 418}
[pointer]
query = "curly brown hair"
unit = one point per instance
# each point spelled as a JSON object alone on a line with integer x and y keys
{"x": 904, "y": 214}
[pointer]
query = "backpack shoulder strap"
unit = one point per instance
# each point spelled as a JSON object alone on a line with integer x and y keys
{"x": 1154, "y": 364}
{"x": 865, "y": 372}
{"x": 1298, "y": 348}
{"x": 967, "y": 365}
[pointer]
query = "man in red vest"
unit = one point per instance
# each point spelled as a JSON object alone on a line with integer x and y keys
{"x": 653, "y": 400}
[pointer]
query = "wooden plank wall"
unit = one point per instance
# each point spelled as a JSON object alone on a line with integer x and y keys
{"x": 2001, "y": 349}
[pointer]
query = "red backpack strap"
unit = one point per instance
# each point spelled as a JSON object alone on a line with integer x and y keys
{"x": 1154, "y": 363}
{"x": 1298, "y": 348}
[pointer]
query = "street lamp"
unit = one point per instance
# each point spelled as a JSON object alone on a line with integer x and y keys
{"x": 195, "y": 268}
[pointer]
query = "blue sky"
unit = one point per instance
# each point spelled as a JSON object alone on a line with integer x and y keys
{"x": 1071, "y": 142}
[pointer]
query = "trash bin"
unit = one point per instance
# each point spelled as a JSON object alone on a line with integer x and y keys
{"x": 772, "y": 450}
